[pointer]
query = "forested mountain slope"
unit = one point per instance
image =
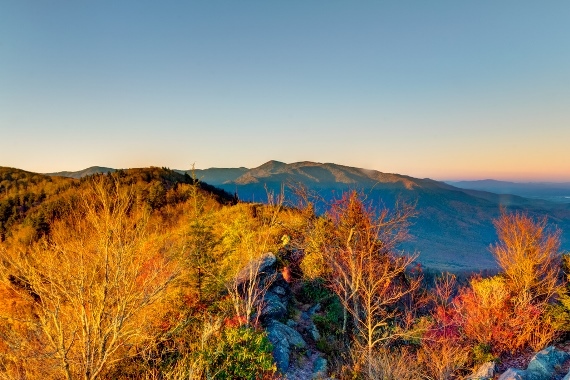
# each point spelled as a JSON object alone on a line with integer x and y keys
{"x": 453, "y": 228}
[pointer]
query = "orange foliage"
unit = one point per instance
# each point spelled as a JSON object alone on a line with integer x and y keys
{"x": 529, "y": 255}
{"x": 509, "y": 312}
{"x": 489, "y": 314}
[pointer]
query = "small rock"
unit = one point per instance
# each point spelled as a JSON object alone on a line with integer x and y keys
{"x": 484, "y": 372}
{"x": 513, "y": 374}
{"x": 313, "y": 309}
{"x": 320, "y": 368}
{"x": 278, "y": 290}
{"x": 272, "y": 307}
{"x": 291, "y": 323}
{"x": 313, "y": 332}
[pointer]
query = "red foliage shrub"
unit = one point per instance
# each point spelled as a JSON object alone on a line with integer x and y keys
{"x": 491, "y": 315}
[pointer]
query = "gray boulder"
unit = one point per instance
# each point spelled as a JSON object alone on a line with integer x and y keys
{"x": 284, "y": 340}
{"x": 320, "y": 368}
{"x": 273, "y": 304}
{"x": 513, "y": 374}
{"x": 485, "y": 371}
{"x": 542, "y": 366}
{"x": 261, "y": 269}
{"x": 267, "y": 263}
{"x": 272, "y": 307}
{"x": 546, "y": 361}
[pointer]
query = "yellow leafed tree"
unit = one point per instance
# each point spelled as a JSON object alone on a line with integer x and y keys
{"x": 93, "y": 289}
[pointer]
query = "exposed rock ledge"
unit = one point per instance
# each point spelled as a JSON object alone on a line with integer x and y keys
{"x": 544, "y": 365}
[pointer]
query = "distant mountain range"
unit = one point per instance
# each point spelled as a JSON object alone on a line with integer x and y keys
{"x": 453, "y": 229}
{"x": 553, "y": 191}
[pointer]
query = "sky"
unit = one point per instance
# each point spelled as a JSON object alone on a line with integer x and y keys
{"x": 441, "y": 89}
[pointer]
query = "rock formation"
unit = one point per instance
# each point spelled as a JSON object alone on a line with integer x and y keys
{"x": 293, "y": 357}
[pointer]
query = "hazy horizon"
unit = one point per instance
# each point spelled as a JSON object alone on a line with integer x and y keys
{"x": 338, "y": 163}
{"x": 443, "y": 90}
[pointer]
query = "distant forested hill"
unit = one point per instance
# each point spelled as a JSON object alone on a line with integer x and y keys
{"x": 29, "y": 202}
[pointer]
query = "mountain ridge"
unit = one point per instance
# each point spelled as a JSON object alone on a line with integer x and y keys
{"x": 322, "y": 173}
{"x": 454, "y": 226}
{"x": 553, "y": 191}
{"x": 82, "y": 173}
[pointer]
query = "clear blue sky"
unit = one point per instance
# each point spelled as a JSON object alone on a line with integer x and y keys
{"x": 440, "y": 89}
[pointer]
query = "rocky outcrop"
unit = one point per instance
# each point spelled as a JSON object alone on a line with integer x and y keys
{"x": 263, "y": 267}
{"x": 291, "y": 353}
{"x": 262, "y": 274}
{"x": 543, "y": 366}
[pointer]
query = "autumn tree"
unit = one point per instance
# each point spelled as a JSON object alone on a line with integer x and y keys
{"x": 93, "y": 286}
{"x": 528, "y": 253}
{"x": 514, "y": 310}
{"x": 365, "y": 269}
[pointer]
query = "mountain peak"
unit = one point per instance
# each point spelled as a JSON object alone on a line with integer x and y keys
{"x": 83, "y": 173}
{"x": 272, "y": 164}
{"x": 327, "y": 175}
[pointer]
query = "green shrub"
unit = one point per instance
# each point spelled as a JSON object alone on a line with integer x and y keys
{"x": 313, "y": 291}
{"x": 330, "y": 346}
{"x": 240, "y": 353}
{"x": 482, "y": 353}
{"x": 330, "y": 322}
